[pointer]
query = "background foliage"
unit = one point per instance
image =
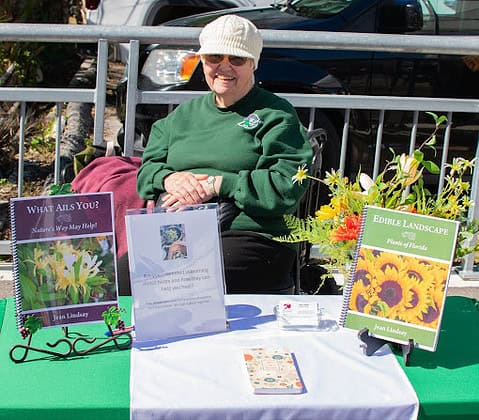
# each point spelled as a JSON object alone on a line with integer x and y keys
{"x": 31, "y": 64}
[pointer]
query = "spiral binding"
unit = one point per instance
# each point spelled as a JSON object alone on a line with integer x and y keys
{"x": 349, "y": 285}
{"x": 16, "y": 285}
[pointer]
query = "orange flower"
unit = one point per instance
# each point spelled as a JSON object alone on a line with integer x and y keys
{"x": 348, "y": 231}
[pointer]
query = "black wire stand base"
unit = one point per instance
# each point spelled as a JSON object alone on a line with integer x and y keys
{"x": 372, "y": 344}
{"x": 65, "y": 347}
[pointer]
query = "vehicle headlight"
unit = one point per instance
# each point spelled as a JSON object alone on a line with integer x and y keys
{"x": 166, "y": 67}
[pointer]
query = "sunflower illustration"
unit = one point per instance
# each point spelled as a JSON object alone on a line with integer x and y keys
{"x": 393, "y": 290}
{"x": 420, "y": 300}
{"x": 359, "y": 297}
{"x": 388, "y": 260}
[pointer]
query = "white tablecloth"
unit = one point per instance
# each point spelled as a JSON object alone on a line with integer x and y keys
{"x": 205, "y": 378}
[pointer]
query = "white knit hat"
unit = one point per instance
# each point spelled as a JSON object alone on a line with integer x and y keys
{"x": 231, "y": 35}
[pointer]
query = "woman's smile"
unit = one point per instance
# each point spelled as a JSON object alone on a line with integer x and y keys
{"x": 229, "y": 83}
{"x": 224, "y": 78}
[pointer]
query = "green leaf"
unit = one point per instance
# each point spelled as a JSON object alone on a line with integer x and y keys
{"x": 383, "y": 306}
{"x": 440, "y": 120}
{"x": 418, "y": 155}
{"x": 97, "y": 281}
{"x": 112, "y": 315}
{"x": 33, "y": 324}
{"x": 47, "y": 295}
{"x": 410, "y": 199}
{"x": 73, "y": 292}
{"x": 86, "y": 294}
{"x": 432, "y": 141}
{"x": 431, "y": 167}
{"x": 62, "y": 189}
{"x": 29, "y": 292}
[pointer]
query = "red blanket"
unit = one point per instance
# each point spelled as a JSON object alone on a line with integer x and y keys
{"x": 116, "y": 174}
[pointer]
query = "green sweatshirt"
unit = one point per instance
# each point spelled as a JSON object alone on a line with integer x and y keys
{"x": 256, "y": 144}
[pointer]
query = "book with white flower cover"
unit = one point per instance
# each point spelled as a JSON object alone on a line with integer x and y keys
{"x": 64, "y": 258}
{"x": 399, "y": 277}
{"x": 272, "y": 371}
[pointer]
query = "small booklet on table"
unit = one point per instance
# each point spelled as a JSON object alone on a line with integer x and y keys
{"x": 272, "y": 371}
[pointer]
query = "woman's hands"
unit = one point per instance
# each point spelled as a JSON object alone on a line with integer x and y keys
{"x": 187, "y": 188}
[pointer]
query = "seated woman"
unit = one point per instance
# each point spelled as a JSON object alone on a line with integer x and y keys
{"x": 239, "y": 145}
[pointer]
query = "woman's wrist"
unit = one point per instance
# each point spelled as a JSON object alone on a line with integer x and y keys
{"x": 210, "y": 182}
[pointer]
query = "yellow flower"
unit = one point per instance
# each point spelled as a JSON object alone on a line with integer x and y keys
{"x": 329, "y": 211}
{"x": 301, "y": 175}
{"x": 89, "y": 267}
{"x": 461, "y": 165}
{"x": 40, "y": 260}
{"x": 65, "y": 271}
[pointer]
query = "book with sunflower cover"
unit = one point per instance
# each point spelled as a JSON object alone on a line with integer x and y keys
{"x": 64, "y": 258}
{"x": 399, "y": 277}
{"x": 272, "y": 371}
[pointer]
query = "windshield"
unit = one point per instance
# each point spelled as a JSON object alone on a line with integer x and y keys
{"x": 314, "y": 8}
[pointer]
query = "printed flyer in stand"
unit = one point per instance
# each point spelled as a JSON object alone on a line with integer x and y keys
{"x": 176, "y": 271}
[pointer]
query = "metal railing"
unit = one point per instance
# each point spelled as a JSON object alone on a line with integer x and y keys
{"x": 105, "y": 36}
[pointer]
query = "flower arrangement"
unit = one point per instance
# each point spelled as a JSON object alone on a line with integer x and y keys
{"x": 335, "y": 226}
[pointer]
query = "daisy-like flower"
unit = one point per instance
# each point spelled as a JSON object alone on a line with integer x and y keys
{"x": 300, "y": 175}
{"x": 460, "y": 165}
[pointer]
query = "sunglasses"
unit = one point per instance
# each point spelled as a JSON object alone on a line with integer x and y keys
{"x": 232, "y": 59}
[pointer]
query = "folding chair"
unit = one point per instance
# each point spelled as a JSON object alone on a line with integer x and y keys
{"x": 310, "y": 202}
